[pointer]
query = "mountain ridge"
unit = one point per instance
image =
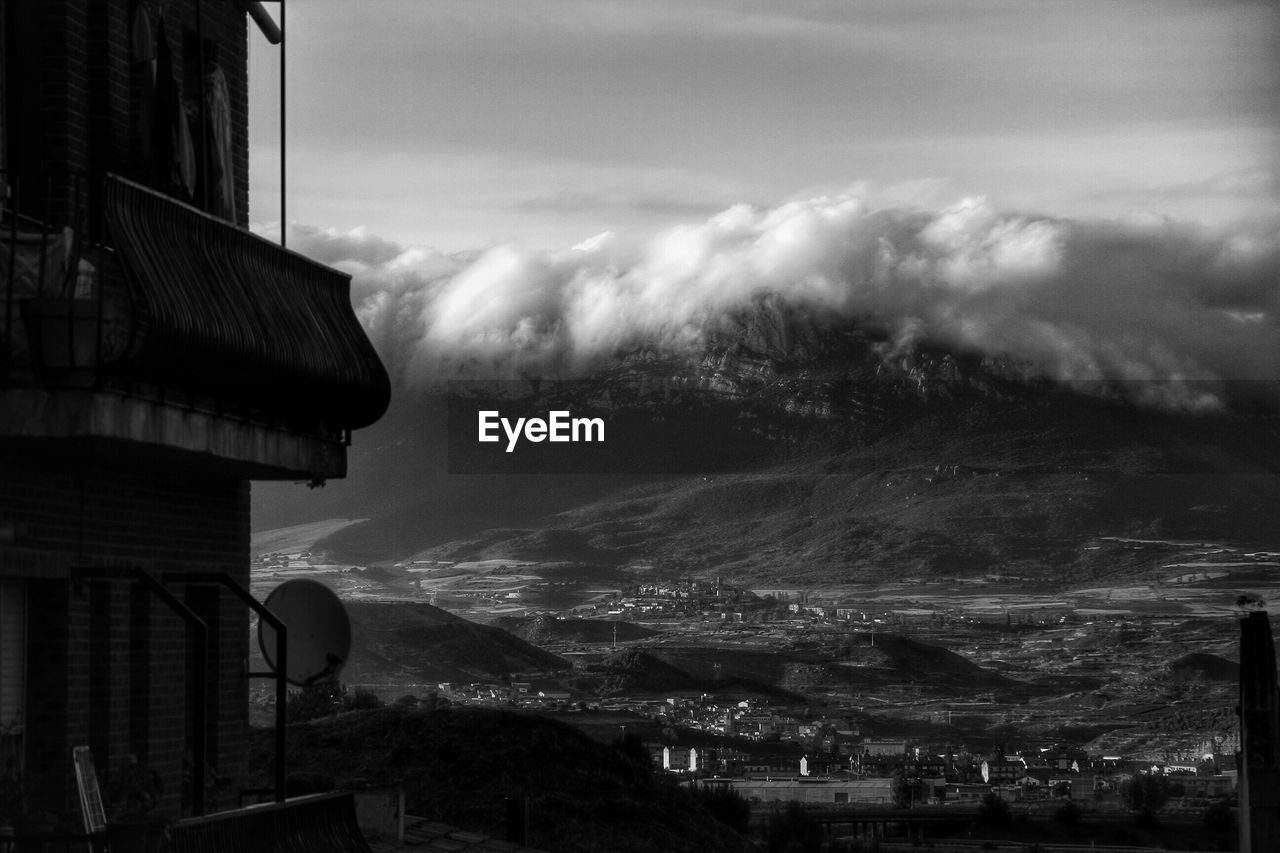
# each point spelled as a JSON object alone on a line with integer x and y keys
{"x": 871, "y": 454}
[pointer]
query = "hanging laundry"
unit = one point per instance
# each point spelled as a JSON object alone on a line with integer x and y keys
{"x": 142, "y": 48}
{"x": 220, "y": 186}
{"x": 175, "y": 153}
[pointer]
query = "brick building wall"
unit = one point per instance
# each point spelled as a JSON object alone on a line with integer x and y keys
{"x": 108, "y": 663}
{"x": 75, "y": 97}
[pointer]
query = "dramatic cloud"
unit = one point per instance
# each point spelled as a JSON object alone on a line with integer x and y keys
{"x": 1132, "y": 300}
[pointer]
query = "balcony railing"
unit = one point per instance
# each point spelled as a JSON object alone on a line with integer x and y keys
{"x": 108, "y": 284}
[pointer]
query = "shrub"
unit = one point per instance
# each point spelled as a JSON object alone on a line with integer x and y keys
{"x": 726, "y": 805}
{"x": 315, "y": 700}
{"x": 1219, "y": 817}
{"x": 325, "y": 698}
{"x": 361, "y": 699}
{"x": 994, "y": 811}
{"x": 1068, "y": 814}
{"x": 1145, "y": 793}
{"x": 900, "y": 789}
{"x": 635, "y": 752}
{"x": 793, "y": 829}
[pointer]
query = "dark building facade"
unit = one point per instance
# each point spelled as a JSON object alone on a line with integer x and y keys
{"x": 155, "y": 358}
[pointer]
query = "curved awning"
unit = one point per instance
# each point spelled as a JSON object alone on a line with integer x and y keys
{"x": 222, "y": 312}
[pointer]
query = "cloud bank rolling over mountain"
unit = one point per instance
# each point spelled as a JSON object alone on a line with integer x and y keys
{"x": 1176, "y": 307}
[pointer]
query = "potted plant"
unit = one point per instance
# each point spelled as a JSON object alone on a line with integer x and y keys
{"x": 133, "y": 792}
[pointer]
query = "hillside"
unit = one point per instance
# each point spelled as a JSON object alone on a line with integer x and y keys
{"x": 958, "y": 492}
{"x": 297, "y": 537}
{"x": 410, "y": 643}
{"x": 1199, "y": 666}
{"x": 894, "y": 659}
{"x": 458, "y": 767}
{"x": 636, "y": 671}
{"x": 549, "y": 629}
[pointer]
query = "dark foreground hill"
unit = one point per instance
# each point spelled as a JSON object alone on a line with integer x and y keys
{"x": 458, "y": 766}
{"x": 418, "y": 642}
{"x": 1200, "y": 666}
{"x": 893, "y": 659}
{"x": 638, "y": 671}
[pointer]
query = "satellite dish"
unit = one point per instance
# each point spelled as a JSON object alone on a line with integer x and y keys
{"x": 318, "y": 631}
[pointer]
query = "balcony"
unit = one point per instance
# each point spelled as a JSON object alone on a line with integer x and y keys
{"x": 126, "y": 314}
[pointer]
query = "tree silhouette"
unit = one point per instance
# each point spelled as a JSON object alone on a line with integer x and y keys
{"x": 1144, "y": 793}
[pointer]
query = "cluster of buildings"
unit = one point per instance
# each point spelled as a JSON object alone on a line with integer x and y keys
{"x": 771, "y": 752}
{"x": 684, "y": 597}
{"x": 891, "y": 772}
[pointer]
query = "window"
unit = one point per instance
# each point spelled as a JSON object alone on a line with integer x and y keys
{"x": 13, "y": 666}
{"x": 842, "y": 798}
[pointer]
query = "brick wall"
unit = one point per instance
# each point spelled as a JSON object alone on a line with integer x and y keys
{"x": 108, "y": 662}
{"x": 81, "y": 104}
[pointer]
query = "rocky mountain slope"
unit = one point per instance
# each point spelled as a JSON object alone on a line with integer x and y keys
{"x": 821, "y": 454}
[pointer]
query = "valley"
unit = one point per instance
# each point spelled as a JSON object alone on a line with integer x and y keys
{"x": 986, "y": 661}
{"x": 817, "y": 552}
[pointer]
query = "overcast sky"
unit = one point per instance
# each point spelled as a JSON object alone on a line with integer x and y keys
{"x": 462, "y": 124}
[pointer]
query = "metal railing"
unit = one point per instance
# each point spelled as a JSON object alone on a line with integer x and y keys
{"x": 51, "y": 298}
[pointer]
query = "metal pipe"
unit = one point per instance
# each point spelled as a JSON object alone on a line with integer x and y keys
{"x": 204, "y": 196}
{"x": 276, "y": 35}
{"x": 266, "y": 25}
{"x": 9, "y": 300}
{"x": 284, "y": 220}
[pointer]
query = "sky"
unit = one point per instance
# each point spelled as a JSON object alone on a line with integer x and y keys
{"x": 461, "y": 124}
{"x": 530, "y": 186}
